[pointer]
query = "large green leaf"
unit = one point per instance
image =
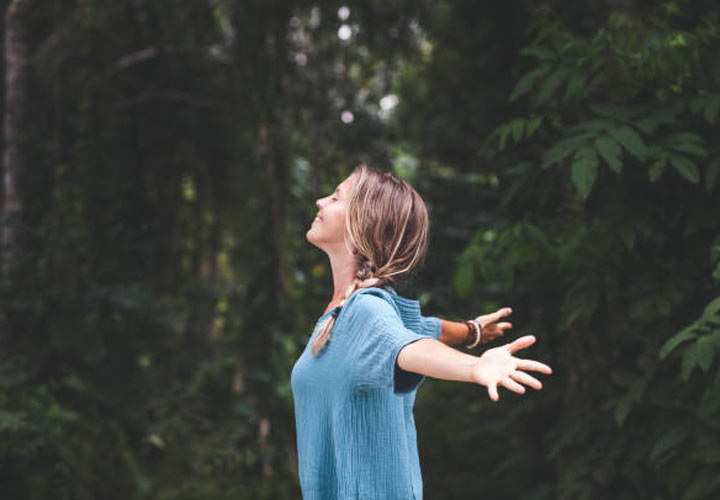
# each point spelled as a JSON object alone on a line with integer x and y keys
{"x": 712, "y": 310}
{"x": 575, "y": 84}
{"x": 685, "y": 167}
{"x": 686, "y": 142}
{"x": 689, "y": 360}
{"x": 610, "y": 152}
{"x": 525, "y": 83}
{"x": 659, "y": 116}
{"x": 517, "y": 127}
{"x": 710, "y": 403}
{"x": 630, "y": 140}
{"x": 705, "y": 352}
{"x": 503, "y": 132}
{"x": 584, "y": 170}
{"x": 674, "y": 341}
{"x": 563, "y": 148}
{"x": 550, "y": 85}
{"x": 656, "y": 168}
{"x": 532, "y": 125}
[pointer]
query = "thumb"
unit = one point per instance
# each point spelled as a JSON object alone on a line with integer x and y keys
{"x": 492, "y": 391}
{"x": 499, "y": 314}
{"x": 521, "y": 343}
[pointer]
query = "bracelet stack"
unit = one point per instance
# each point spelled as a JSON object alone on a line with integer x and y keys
{"x": 474, "y": 334}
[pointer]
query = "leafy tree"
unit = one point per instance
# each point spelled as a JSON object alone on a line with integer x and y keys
{"x": 609, "y": 234}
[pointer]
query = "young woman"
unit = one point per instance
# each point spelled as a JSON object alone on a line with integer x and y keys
{"x": 354, "y": 385}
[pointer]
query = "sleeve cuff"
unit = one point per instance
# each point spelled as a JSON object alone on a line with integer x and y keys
{"x": 405, "y": 381}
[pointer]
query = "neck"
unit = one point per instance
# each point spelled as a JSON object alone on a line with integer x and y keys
{"x": 344, "y": 267}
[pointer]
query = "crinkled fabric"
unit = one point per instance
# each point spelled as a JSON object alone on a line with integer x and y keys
{"x": 354, "y": 406}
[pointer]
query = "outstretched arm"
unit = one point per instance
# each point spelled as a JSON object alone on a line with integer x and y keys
{"x": 496, "y": 367}
{"x": 455, "y": 333}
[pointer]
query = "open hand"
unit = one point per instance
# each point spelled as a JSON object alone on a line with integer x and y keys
{"x": 498, "y": 367}
{"x": 492, "y": 328}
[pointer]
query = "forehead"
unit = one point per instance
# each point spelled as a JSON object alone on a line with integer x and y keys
{"x": 346, "y": 185}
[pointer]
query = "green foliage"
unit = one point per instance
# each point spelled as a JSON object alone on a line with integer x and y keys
{"x": 165, "y": 286}
{"x": 603, "y": 235}
{"x": 704, "y": 334}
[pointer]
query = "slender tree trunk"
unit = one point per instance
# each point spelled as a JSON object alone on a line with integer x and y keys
{"x": 16, "y": 64}
{"x": 277, "y": 212}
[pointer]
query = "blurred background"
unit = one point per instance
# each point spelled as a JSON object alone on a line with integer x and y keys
{"x": 161, "y": 160}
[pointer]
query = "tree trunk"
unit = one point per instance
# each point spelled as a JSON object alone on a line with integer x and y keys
{"x": 14, "y": 158}
{"x": 277, "y": 209}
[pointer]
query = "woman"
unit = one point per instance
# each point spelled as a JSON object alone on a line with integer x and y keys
{"x": 354, "y": 385}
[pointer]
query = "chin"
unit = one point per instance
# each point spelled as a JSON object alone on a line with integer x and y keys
{"x": 310, "y": 237}
{"x": 314, "y": 241}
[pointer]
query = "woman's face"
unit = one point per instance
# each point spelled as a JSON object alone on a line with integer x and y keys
{"x": 327, "y": 230}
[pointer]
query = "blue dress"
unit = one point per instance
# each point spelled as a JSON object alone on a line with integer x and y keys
{"x": 353, "y": 404}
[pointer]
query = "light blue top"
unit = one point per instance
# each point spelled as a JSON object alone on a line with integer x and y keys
{"x": 353, "y": 404}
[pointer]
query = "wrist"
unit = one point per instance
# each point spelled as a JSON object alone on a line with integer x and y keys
{"x": 477, "y": 372}
{"x": 474, "y": 334}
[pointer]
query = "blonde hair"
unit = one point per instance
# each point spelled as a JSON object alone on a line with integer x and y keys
{"x": 387, "y": 225}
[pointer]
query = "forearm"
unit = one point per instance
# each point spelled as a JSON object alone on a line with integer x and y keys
{"x": 453, "y": 333}
{"x": 434, "y": 359}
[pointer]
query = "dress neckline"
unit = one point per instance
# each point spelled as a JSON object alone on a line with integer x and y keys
{"x": 326, "y": 315}
{"x": 387, "y": 288}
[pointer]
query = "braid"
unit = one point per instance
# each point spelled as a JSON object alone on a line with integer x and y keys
{"x": 365, "y": 277}
{"x": 386, "y": 225}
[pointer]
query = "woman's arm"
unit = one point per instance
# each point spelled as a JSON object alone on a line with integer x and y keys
{"x": 496, "y": 367}
{"x": 455, "y": 333}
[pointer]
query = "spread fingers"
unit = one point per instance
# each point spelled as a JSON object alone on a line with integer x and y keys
{"x": 536, "y": 366}
{"x": 513, "y": 386}
{"x": 526, "y": 379}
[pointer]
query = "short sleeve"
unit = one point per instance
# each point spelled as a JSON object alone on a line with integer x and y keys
{"x": 377, "y": 336}
{"x": 431, "y": 326}
{"x": 405, "y": 380}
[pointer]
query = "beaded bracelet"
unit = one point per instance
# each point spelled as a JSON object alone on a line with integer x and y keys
{"x": 478, "y": 329}
{"x": 473, "y": 327}
{"x": 471, "y": 333}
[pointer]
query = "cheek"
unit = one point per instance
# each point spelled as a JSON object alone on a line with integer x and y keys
{"x": 336, "y": 218}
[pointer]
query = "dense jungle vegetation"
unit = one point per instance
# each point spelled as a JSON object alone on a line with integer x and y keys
{"x": 161, "y": 160}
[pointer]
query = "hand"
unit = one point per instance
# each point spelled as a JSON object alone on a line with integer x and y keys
{"x": 491, "y": 329}
{"x": 498, "y": 366}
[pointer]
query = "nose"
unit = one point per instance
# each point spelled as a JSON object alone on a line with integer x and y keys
{"x": 318, "y": 203}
